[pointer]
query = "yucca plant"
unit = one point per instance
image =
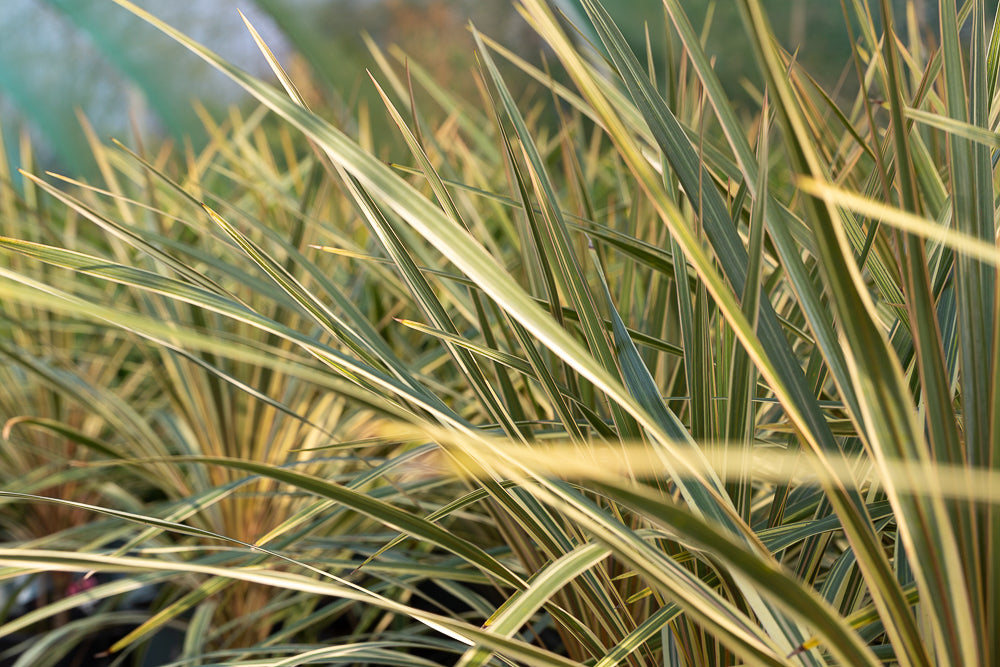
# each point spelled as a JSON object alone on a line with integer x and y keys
{"x": 180, "y": 404}
{"x": 648, "y": 383}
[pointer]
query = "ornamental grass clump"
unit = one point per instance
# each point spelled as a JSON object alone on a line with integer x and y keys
{"x": 615, "y": 374}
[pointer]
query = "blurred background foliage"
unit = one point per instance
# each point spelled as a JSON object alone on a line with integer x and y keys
{"x": 61, "y": 56}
